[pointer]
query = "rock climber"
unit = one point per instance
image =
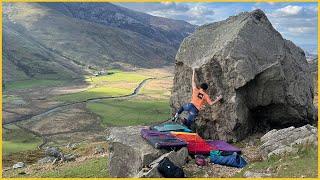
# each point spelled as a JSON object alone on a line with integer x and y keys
{"x": 198, "y": 99}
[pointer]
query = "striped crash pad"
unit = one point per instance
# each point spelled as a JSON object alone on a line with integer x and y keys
{"x": 162, "y": 140}
{"x": 223, "y": 146}
{"x": 196, "y": 145}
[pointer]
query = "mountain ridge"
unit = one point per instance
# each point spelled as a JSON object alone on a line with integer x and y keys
{"x": 77, "y": 43}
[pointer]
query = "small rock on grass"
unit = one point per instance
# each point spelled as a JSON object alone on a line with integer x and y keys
{"x": 45, "y": 160}
{"x": 250, "y": 174}
{"x": 99, "y": 150}
{"x": 54, "y": 152}
{"x": 70, "y": 157}
{"x": 18, "y": 165}
{"x": 72, "y": 146}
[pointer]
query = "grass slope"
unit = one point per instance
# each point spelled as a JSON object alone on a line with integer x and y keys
{"x": 34, "y": 83}
{"x": 87, "y": 166}
{"x": 302, "y": 164}
{"x": 93, "y": 168}
{"x": 24, "y": 58}
{"x": 17, "y": 140}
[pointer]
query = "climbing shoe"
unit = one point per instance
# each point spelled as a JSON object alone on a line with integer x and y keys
{"x": 174, "y": 119}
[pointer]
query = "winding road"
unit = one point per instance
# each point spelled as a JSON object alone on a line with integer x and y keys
{"x": 39, "y": 115}
{"x": 31, "y": 116}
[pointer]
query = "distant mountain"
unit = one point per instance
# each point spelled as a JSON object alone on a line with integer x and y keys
{"x": 64, "y": 40}
{"x": 25, "y": 58}
{"x": 310, "y": 56}
{"x": 157, "y": 28}
{"x": 309, "y": 48}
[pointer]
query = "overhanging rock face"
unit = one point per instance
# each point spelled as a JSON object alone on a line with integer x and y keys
{"x": 264, "y": 79}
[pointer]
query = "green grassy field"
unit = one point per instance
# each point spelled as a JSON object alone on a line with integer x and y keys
{"x": 150, "y": 106}
{"x": 13, "y": 146}
{"x": 93, "y": 168}
{"x": 302, "y": 164}
{"x": 17, "y": 140}
{"x": 115, "y": 84}
{"x": 129, "y": 112}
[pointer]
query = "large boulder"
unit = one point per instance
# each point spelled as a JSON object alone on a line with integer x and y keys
{"x": 264, "y": 79}
{"x": 128, "y": 151}
{"x": 287, "y": 140}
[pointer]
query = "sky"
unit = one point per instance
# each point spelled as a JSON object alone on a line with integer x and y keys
{"x": 295, "y": 21}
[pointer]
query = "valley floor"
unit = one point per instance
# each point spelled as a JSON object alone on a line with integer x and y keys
{"x": 62, "y": 113}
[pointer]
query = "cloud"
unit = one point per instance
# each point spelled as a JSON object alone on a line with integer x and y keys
{"x": 297, "y": 23}
{"x": 196, "y": 14}
{"x": 264, "y": 3}
{"x": 170, "y": 6}
{"x": 293, "y": 20}
{"x": 290, "y": 10}
{"x": 166, "y": 2}
{"x": 294, "y": 11}
{"x": 301, "y": 30}
{"x": 200, "y": 11}
{"x": 150, "y": 7}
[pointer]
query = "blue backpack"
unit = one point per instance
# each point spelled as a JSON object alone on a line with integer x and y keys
{"x": 234, "y": 160}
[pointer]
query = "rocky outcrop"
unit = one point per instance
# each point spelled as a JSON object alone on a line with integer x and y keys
{"x": 128, "y": 151}
{"x": 53, "y": 155}
{"x": 177, "y": 158}
{"x": 279, "y": 142}
{"x": 264, "y": 79}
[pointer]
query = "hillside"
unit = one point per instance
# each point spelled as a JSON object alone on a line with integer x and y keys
{"x": 25, "y": 58}
{"x": 46, "y": 37}
{"x": 159, "y": 29}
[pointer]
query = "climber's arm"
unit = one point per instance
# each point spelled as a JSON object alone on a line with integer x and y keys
{"x": 193, "y": 82}
{"x": 215, "y": 101}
